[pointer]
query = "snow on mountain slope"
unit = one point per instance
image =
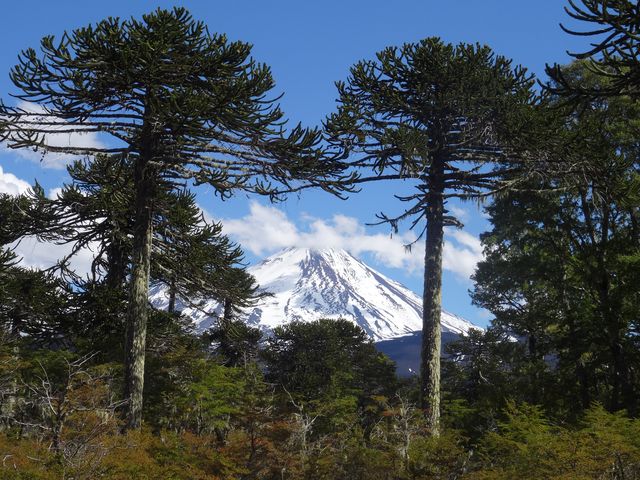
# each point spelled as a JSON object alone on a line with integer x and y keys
{"x": 308, "y": 284}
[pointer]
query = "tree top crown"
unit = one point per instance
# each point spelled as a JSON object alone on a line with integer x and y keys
{"x": 194, "y": 104}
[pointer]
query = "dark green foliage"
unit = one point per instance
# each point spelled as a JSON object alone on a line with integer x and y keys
{"x": 613, "y": 27}
{"x": 91, "y": 211}
{"x": 135, "y": 80}
{"x": 328, "y": 371}
{"x": 186, "y": 391}
{"x": 557, "y": 264}
{"x": 235, "y": 342}
{"x": 430, "y": 103}
{"x": 326, "y": 357}
{"x": 190, "y": 256}
{"x": 528, "y": 446}
{"x": 35, "y": 305}
{"x": 194, "y": 260}
{"x": 12, "y": 209}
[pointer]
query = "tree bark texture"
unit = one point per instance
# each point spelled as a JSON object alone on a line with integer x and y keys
{"x": 172, "y": 297}
{"x": 138, "y": 296}
{"x": 432, "y": 301}
{"x": 228, "y": 311}
{"x": 117, "y": 264}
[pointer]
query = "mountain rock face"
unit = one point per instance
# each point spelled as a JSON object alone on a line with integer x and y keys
{"x": 308, "y": 284}
{"x": 405, "y": 351}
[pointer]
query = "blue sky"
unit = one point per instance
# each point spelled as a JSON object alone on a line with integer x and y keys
{"x": 310, "y": 45}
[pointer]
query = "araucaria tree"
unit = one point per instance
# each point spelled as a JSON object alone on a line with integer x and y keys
{"x": 445, "y": 119}
{"x": 182, "y": 105}
{"x": 613, "y": 26}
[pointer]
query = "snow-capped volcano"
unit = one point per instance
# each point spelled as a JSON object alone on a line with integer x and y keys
{"x": 308, "y": 284}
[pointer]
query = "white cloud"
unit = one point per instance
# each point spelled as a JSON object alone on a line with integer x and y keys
{"x": 467, "y": 240}
{"x": 460, "y": 213}
{"x": 35, "y": 254}
{"x": 54, "y": 160}
{"x": 264, "y": 230}
{"x": 462, "y": 252}
{"x": 54, "y": 193}
{"x": 11, "y": 184}
{"x": 267, "y": 229}
{"x": 41, "y": 255}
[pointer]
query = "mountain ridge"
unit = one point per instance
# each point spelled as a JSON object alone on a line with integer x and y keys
{"x": 307, "y": 284}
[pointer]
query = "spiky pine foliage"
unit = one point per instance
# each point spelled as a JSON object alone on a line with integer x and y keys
{"x": 33, "y": 304}
{"x": 614, "y": 26}
{"x": 194, "y": 259}
{"x": 189, "y": 254}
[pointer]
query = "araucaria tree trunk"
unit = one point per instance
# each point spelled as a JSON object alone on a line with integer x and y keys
{"x": 136, "y": 331}
{"x": 432, "y": 301}
{"x": 172, "y": 296}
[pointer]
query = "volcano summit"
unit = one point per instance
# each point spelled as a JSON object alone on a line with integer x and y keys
{"x": 307, "y": 284}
